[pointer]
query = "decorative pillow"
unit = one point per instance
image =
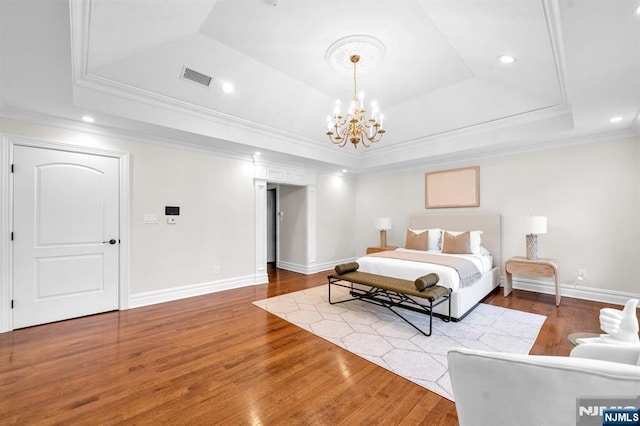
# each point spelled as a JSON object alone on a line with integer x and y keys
{"x": 475, "y": 242}
{"x": 346, "y": 267}
{"x": 426, "y": 281}
{"x": 456, "y": 244}
{"x": 416, "y": 240}
{"x": 435, "y": 239}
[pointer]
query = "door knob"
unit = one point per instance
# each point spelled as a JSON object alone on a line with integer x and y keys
{"x": 111, "y": 241}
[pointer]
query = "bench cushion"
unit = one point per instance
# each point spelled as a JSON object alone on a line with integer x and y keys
{"x": 346, "y": 267}
{"x": 392, "y": 284}
{"x": 426, "y": 281}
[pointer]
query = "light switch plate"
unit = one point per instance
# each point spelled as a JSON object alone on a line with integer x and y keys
{"x": 150, "y": 218}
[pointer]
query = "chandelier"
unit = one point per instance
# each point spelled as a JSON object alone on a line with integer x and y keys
{"x": 355, "y": 127}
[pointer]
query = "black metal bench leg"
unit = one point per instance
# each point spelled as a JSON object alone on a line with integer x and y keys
{"x": 340, "y": 285}
{"x": 430, "y": 316}
{"x": 412, "y": 324}
{"x": 330, "y": 302}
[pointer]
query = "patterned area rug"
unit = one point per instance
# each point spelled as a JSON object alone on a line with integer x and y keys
{"x": 376, "y": 334}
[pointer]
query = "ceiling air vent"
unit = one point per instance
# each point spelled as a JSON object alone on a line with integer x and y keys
{"x": 196, "y": 77}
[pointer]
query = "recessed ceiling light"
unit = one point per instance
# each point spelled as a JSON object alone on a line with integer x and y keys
{"x": 257, "y": 153}
{"x": 344, "y": 170}
{"x": 616, "y": 119}
{"x": 637, "y": 10}
{"x": 88, "y": 119}
{"x": 227, "y": 87}
{"x": 507, "y": 59}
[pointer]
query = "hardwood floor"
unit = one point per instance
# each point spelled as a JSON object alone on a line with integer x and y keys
{"x": 219, "y": 359}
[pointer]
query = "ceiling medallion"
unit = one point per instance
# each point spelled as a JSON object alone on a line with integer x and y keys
{"x": 370, "y": 49}
{"x": 355, "y": 127}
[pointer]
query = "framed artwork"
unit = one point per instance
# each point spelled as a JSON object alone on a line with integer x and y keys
{"x": 452, "y": 188}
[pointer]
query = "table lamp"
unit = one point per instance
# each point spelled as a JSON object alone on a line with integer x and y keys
{"x": 383, "y": 223}
{"x": 535, "y": 225}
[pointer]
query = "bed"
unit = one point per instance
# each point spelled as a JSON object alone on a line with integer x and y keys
{"x": 464, "y": 295}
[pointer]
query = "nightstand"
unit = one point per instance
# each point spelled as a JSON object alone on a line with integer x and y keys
{"x": 534, "y": 268}
{"x": 377, "y": 249}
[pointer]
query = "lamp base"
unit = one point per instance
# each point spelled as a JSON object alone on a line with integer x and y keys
{"x": 383, "y": 238}
{"x": 532, "y": 247}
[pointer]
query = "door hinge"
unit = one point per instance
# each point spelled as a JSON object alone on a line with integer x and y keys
{"x": 11, "y": 303}
{"x": 12, "y": 236}
{"x": 12, "y": 168}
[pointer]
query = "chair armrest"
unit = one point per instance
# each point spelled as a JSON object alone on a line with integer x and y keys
{"x": 626, "y": 354}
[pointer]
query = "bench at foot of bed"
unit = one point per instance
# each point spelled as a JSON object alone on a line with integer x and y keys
{"x": 392, "y": 292}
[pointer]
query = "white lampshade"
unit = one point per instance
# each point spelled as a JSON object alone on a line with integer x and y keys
{"x": 383, "y": 223}
{"x": 536, "y": 225}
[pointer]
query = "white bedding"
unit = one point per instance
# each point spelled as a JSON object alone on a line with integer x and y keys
{"x": 410, "y": 270}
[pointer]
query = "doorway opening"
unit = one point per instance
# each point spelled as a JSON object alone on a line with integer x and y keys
{"x": 272, "y": 224}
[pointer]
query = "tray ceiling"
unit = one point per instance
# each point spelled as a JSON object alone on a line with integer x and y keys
{"x": 444, "y": 93}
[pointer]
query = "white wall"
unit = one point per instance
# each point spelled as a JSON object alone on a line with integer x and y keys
{"x": 215, "y": 226}
{"x": 336, "y": 219}
{"x": 590, "y": 194}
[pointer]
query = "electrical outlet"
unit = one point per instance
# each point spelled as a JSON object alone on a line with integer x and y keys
{"x": 216, "y": 269}
{"x": 582, "y": 274}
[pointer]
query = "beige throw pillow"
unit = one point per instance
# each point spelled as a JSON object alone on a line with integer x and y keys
{"x": 416, "y": 241}
{"x": 456, "y": 244}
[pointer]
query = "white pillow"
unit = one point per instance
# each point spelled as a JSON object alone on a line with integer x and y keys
{"x": 475, "y": 241}
{"x": 434, "y": 242}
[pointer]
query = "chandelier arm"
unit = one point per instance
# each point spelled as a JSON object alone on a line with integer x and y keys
{"x": 364, "y": 137}
{"x": 337, "y": 141}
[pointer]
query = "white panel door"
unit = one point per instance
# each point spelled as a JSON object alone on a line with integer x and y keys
{"x": 66, "y": 235}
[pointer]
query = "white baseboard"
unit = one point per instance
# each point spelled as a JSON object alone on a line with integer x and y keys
{"x": 261, "y": 279}
{"x": 312, "y": 269}
{"x": 613, "y": 297}
{"x": 176, "y": 293}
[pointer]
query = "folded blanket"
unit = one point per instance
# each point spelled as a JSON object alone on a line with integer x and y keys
{"x": 467, "y": 270}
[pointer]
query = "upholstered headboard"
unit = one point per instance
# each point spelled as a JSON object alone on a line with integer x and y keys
{"x": 487, "y": 222}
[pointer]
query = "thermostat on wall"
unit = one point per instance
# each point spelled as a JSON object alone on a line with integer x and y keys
{"x": 171, "y": 211}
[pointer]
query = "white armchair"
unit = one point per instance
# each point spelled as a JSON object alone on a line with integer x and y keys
{"x": 492, "y": 388}
{"x": 614, "y": 352}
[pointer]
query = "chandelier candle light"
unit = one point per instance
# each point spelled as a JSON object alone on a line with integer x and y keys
{"x": 355, "y": 127}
